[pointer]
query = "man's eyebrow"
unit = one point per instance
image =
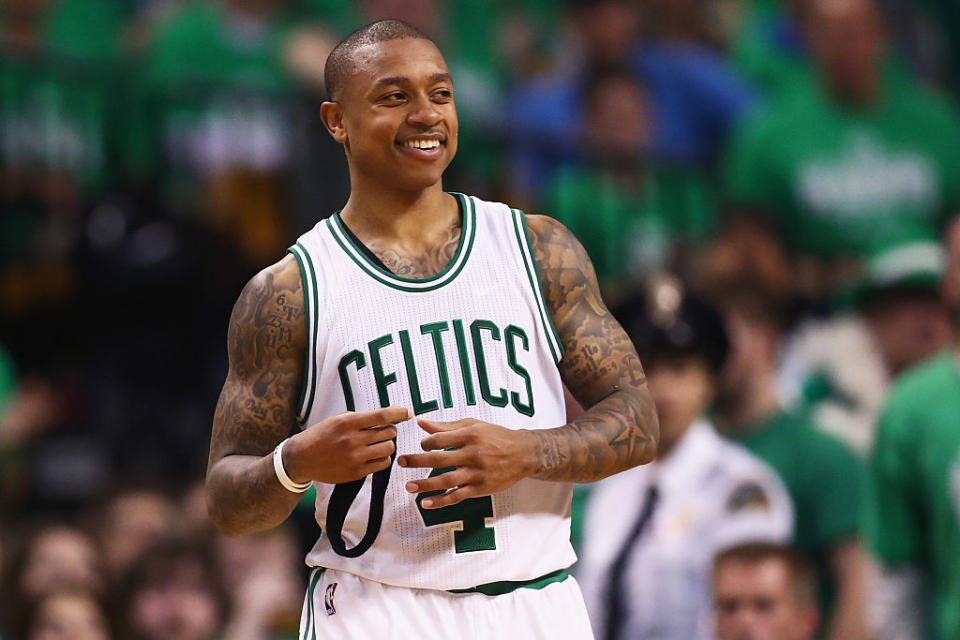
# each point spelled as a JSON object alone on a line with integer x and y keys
{"x": 391, "y": 80}
{"x": 437, "y": 77}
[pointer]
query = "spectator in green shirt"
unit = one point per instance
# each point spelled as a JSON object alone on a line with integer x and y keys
{"x": 841, "y": 368}
{"x": 914, "y": 495}
{"x": 821, "y": 475}
{"x": 855, "y": 162}
{"x": 634, "y": 216}
{"x": 55, "y": 85}
{"x": 217, "y": 121}
{"x": 56, "y": 100}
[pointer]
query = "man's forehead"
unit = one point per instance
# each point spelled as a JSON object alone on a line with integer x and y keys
{"x": 762, "y": 573}
{"x": 408, "y": 57}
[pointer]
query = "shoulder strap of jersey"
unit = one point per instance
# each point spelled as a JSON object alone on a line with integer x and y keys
{"x": 522, "y": 236}
{"x": 308, "y": 277}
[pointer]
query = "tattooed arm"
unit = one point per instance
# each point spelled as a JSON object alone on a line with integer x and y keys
{"x": 619, "y": 429}
{"x": 257, "y": 409}
{"x": 266, "y": 342}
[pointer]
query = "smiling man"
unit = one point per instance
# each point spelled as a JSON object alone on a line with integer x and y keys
{"x": 422, "y": 339}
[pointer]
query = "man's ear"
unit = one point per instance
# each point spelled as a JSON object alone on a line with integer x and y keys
{"x": 331, "y": 113}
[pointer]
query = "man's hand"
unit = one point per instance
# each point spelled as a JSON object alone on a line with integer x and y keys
{"x": 344, "y": 447}
{"x": 488, "y": 458}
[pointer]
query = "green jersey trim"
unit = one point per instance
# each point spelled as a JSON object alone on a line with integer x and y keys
{"x": 509, "y": 586}
{"x": 308, "y": 277}
{"x": 381, "y": 275}
{"x": 533, "y": 275}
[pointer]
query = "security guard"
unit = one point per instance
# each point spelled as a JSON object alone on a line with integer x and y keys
{"x": 651, "y": 533}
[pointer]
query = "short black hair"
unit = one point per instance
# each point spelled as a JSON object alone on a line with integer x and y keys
{"x": 339, "y": 64}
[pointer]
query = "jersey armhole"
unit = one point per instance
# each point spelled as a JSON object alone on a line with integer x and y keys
{"x": 536, "y": 285}
{"x": 308, "y": 279}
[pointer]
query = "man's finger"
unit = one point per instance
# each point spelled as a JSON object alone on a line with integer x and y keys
{"x": 441, "y": 482}
{"x": 445, "y": 440}
{"x": 373, "y": 466}
{"x": 387, "y": 415}
{"x": 373, "y": 435}
{"x": 451, "y": 497}
{"x": 432, "y": 426}
{"x": 432, "y": 460}
{"x": 379, "y": 451}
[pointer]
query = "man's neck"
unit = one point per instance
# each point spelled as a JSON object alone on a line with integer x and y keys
{"x": 867, "y": 95}
{"x": 399, "y": 216}
{"x": 668, "y": 445}
{"x": 756, "y": 400}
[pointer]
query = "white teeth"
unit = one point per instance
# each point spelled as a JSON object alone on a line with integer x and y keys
{"x": 422, "y": 144}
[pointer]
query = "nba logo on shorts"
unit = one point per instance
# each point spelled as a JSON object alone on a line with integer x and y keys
{"x": 328, "y": 598}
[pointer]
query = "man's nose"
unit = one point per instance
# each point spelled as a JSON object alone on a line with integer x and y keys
{"x": 424, "y": 113}
{"x": 746, "y": 621}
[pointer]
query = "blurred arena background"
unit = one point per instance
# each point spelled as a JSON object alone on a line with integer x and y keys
{"x": 796, "y": 161}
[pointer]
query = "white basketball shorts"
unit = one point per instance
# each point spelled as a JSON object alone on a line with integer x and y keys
{"x": 341, "y": 606}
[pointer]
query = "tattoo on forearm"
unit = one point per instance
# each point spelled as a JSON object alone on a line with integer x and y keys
{"x": 266, "y": 341}
{"x": 599, "y": 366}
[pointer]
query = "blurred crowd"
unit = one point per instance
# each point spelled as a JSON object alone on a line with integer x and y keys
{"x": 769, "y": 192}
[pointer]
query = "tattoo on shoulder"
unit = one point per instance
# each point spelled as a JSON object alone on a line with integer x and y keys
{"x": 595, "y": 346}
{"x": 266, "y": 343}
{"x": 265, "y": 318}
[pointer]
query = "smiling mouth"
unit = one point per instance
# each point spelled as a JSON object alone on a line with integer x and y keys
{"x": 422, "y": 144}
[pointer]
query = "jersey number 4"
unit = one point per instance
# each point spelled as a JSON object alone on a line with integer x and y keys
{"x": 472, "y": 512}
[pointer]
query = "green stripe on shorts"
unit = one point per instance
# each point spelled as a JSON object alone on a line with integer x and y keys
{"x": 310, "y": 632}
{"x": 508, "y": 586}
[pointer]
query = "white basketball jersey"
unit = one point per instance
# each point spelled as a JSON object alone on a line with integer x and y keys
{"x": 473, "y": 341}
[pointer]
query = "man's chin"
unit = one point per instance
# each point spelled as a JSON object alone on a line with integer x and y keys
{"x": 417, "y": 181}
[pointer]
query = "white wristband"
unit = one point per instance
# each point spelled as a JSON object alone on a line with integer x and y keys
{"x": 288, "y": 484}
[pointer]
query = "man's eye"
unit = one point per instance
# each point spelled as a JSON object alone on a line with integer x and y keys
{"x": 727, "y": 607}
{"x": 444, "y": 93}
{"x": 394, "y": 97}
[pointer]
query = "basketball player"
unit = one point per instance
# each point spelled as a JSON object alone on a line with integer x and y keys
{"x": 416, "y": 302}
